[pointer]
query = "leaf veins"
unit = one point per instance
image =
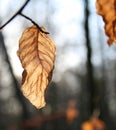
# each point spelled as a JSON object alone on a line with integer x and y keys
{"x": 36, "y": 53}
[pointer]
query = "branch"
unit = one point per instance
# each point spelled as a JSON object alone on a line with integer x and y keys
{"x": 38, "y": 120}
{"x": 20, "y": 10}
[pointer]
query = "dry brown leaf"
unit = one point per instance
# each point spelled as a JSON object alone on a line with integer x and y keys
{"x": 37, "y": 54}
{"x": 107, "y": 9}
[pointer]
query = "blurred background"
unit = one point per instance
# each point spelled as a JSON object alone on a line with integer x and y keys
{"x": 82, "y": 94}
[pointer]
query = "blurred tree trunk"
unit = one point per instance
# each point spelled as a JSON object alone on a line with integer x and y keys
{"x": 90, "y": 78}
{"x": 102, "y": 103}
{"x": 16, "y": 86}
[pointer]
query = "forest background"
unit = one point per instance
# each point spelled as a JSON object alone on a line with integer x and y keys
{"x": 85, "y": 68}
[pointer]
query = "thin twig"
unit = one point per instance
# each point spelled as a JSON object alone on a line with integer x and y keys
{"x": 20, "y": 10}
{"x": 33, "y": 23}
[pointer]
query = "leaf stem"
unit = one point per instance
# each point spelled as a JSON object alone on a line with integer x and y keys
{"x": 33, "y": 23}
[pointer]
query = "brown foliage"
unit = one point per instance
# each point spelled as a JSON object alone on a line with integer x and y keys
{"x": 93, "y": 124}
{"x": 37, "y": 54}
{"x": 107, "y": 9}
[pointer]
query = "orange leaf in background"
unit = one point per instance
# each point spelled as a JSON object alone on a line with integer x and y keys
{"x": 71, "y": 112}
{"x": 87, "y": 126}
{"x": 107, "y": 9}
{"x": 93, "y": 124}
{"x": 37, "y": 54}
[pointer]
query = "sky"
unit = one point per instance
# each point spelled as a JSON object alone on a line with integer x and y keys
{"x": 66, "y": 17}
